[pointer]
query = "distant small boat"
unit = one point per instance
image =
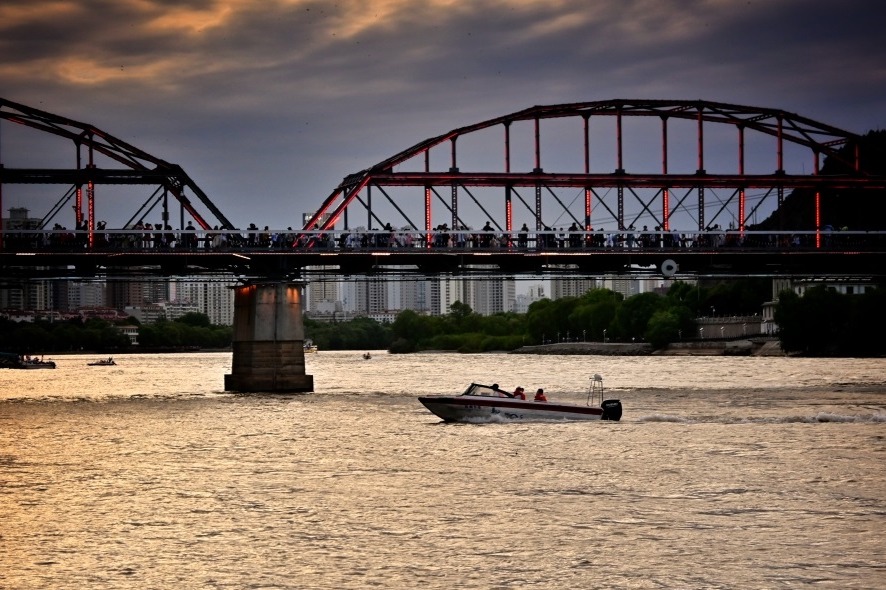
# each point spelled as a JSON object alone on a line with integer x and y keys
{"x": 37, "y": 364}
{"x": 108, "y": 362}
{"x": 367, "y": 356}
{"x": 310, "y": 346}
{"x": 16, "y": 361}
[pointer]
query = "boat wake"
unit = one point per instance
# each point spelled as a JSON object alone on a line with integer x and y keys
{"x": 821, "y": 417}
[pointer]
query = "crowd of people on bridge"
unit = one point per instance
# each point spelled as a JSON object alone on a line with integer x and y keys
{"x": 144, "y": 236}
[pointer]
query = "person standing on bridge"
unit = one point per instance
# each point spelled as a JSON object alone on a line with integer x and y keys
{"x": 486, "y": 237}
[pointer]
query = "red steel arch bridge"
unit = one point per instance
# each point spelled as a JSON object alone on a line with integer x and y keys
{"x": 680, "y": 186}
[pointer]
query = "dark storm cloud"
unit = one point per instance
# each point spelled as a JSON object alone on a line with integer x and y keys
{"x": 281, "y": 99}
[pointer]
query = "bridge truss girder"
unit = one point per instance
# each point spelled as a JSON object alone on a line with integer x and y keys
{"x": 786, "y": 128}
{"x": 139, "y": 167}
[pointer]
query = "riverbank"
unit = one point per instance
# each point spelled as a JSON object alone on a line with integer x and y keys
{"x": 749, "y": 347}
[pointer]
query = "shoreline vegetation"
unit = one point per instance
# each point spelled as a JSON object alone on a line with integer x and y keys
{"x": 820, "y": 323}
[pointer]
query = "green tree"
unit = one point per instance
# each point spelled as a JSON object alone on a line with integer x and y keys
{"x": 663, "y": 327}
{"x": 633, "y": 316}
{"x": 195, "y": 319}
{"x": 813, "y": 324}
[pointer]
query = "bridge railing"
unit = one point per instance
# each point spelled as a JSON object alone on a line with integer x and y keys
{"x": 282, "y": 241}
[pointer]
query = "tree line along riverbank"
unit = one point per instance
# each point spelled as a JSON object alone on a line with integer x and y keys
{"x": 822, "y": 322}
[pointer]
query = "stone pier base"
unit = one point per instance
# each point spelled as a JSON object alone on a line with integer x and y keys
{"x": 269, "y": 339}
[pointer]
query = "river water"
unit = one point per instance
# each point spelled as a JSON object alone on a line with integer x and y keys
{"x": 723, "y": 473}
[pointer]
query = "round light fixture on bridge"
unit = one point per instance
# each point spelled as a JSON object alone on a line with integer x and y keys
{"x": 669, "y": 268}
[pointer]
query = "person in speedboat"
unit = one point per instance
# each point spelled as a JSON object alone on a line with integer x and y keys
{"x": 519, "y": 393}
{"x": 540, "y": 395}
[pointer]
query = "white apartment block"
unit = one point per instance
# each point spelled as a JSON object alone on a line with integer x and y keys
{"x": 213, "y": 298}
{"x": 571, "y": 287}
{"x": 493, "y": 296}
{"x": 319, "y": 292}
{"x": 370, "y": 296}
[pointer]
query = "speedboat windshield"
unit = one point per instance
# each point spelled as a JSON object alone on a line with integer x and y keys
{"x": 484, "y": 390}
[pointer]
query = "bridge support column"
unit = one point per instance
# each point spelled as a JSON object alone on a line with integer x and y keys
{"x": 269, "y": 339}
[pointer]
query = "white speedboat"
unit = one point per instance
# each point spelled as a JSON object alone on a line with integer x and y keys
{"x": 487, "y": 403}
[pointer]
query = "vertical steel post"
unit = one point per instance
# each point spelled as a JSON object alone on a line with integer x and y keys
{"x": 619, "y": 170}
{"x": 780, "y": 145}
{"x": 701, "y": 170}
{"x": 509, "y": 211}
{"x": 427, "y": 216}
{"x": 815, "y": 171}
{"x": 369, "y": 208}
{"x": 588, "y": 191}
{"x": 454, "y": 169}
{"x": 90, "y": 197}
{"x": 539, "y": 226}
{"x": 665, "y": 191}
{"x": 779, "y": 171}
{"x": 507, "y": 125}
{"x": 78, "y": 201}
{"x": 427, "y": 201}
{"x": 741, "y": 190}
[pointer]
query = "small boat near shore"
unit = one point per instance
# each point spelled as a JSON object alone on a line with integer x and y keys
{"x": 487, "y": 403}
{"x": 108, "y": 362}
{"x": 309, "y": 346}
{"x": 17, "y": 361}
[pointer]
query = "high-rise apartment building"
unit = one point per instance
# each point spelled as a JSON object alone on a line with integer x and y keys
{"x": 213, "y": 298}
{"x": 571, "y": 287}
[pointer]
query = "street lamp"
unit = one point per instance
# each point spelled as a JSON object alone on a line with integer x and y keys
{"x": 567, "y": 335}
{"x": 701, "y": 333}
{"x": 722, "y": 328}
{"x": 604, "y": 335}
{"x": 583, "y": 338}
{"x": 744, "y": 329}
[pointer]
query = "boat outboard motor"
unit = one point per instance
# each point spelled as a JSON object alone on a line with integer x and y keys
{"x": 611, "y": 410}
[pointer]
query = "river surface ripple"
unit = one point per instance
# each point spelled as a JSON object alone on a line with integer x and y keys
{"x": 723, "y": 473}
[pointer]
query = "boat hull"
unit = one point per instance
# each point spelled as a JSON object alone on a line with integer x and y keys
{"x": 465, "y": 408}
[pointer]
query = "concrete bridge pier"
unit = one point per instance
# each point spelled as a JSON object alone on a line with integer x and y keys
{"x": 269, "y": 337}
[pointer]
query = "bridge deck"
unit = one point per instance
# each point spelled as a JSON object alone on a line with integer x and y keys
{"x": 50, "y": 254}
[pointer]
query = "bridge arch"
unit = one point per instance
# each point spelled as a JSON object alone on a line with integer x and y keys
{"x": 657, "y": 193}
{"x": 137, "y": 168}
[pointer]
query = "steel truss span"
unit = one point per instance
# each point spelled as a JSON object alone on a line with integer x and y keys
{"x": 138, "y": 168}
{"x": 433, "y": 168}
{"x": 518, "y": 166}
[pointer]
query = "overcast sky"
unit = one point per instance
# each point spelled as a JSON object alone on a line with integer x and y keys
{"x": 268, "y": 104}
